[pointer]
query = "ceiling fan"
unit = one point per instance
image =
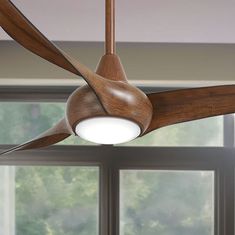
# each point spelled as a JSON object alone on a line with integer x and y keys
{"x": 108, "y": 110}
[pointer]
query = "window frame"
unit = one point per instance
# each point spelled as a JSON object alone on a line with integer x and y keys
{"x": 111, "y": 160}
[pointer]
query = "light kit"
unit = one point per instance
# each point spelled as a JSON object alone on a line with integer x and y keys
{"x": 107, "y": 130}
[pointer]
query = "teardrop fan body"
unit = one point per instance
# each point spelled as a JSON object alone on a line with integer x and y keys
{"x": 108, "y": 96}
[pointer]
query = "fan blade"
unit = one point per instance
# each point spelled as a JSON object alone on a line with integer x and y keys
{"x": 190, "y": 104}
{"x": 21, "y": 29}
{"x": 54, "y": 135}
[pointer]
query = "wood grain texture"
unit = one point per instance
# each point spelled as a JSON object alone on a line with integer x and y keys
{"x": 119, "y": 98}
{"x": 110, "y": 66}
{"x": 21, "y": 30}
{"x": 83, "y": 104}
{"x": 190, "y": 104}
{"x": 107, "y": 91}
{"x": 54, "y": 135}
{"x": 110, "y": 46}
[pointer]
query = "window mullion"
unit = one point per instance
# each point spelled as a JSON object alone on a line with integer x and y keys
{"x": 109, "y": 199}
{"x": 229, "y": 199}
{"x": 104, "y": 200}
{"x": 113, "y": 199}
{"x": 229, "y": 130}
{"x": 225, "y": 198}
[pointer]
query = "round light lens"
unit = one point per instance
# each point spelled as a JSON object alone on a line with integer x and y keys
{"x": 107, "y": 130}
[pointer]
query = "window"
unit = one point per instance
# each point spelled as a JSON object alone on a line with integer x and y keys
{"x": 175, "y": 181}
{"x": 49, "y": 200}
{"x": 166, "y": 202}
{"x": 205, "y": 132}
{"x": 21, "y": 121}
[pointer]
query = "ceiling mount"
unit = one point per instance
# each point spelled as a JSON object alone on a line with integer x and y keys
{"x": 108, "y": 104}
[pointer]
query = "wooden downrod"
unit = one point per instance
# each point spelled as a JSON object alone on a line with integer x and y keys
{"x": 110, "y": 47}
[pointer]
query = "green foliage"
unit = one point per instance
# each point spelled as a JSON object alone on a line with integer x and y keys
{"x": 20, "y": 122}
{"x": 205, "y": 132}
{"x": 56, "y": 200}
{"x": 166, "y": 203}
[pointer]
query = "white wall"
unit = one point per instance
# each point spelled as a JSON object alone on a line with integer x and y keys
{"x": 151, "y": 63}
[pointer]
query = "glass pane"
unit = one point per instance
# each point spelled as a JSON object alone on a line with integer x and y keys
{"x": 166, "y": 202}
{"x": 20, "y": 122}
{"x": 204, "y": 132}
{"x": 37, "y": 200}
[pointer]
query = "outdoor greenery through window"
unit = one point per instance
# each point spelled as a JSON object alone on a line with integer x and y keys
{"x": 166, "y": 202}
{"x": 20, "y": 122}
{"x": 49, "y": 200}
{"x": 75, "y": 199}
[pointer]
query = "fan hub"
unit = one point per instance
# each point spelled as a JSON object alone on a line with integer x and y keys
{"x": 110, "y": 67}
{"x": 131, "y": 104}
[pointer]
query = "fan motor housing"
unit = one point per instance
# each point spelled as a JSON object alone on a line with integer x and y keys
{"x": 83, "y": 104}
{"x": 121, "y": 99}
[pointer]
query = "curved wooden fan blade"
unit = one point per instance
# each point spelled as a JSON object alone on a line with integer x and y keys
{"x": 21, "y": 29}
{"x": 54, "y": 135}
{"x": 190, "y": 104}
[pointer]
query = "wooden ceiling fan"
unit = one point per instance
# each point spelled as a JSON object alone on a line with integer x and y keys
{"x": 108, "y": 110}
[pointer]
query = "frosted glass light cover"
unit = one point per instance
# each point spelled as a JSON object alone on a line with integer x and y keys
{"x": 107, "y": 130}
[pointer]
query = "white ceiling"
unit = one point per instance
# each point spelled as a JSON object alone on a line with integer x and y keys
{"x": 197, "y": 21}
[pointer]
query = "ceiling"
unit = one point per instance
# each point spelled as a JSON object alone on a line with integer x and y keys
{"x": 197, "y": 21}
{"x": 161, "y": 41}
